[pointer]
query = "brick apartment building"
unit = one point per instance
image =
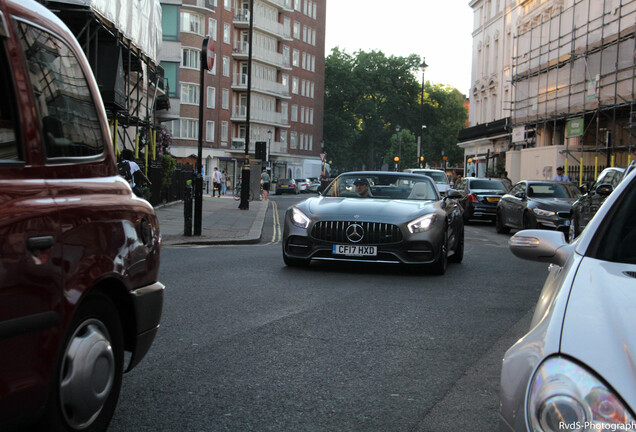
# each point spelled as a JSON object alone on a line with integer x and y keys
{"x": 287, "y": 85}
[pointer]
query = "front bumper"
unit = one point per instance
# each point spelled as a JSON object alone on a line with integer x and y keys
{"x": 148, "y": 305}
{"x": 410, "y": 252}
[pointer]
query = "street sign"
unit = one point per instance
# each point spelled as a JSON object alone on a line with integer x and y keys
{"x": 207, "y": 53}
{"x": 574, "y": 128}
{"x": 323, "y": 156}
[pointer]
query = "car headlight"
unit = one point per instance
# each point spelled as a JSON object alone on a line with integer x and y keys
{"x": 540, "y": 212}
{"x": 299, "y": 219}
{"x": 422, "y": 224}
{"x": 564, "y": 395}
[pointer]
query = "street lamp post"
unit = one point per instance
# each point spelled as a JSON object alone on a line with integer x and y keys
{"x": 399, "y": 143}
{"x": 269, "y": 145}
{"x": 245, "y": 172}
{"x": 423, "y": 67}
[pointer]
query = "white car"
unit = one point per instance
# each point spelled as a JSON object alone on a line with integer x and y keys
{"x": 439, "y": 177}
{"x": 576, "y": 367}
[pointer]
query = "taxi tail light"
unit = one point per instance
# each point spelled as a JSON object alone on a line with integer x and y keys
{"x": 473, "y": 198}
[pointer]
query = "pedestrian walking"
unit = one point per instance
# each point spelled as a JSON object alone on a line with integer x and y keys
{"x": 265, "y": 180}
{"x": 216, "y": 181}
{"x": 223, "y": 183}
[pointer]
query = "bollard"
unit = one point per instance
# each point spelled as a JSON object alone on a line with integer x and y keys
{"x": 187, "y": 210}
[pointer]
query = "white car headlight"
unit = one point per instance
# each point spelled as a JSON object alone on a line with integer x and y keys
{"x": 564, "y": 395}
{"x": 540, "y": 212}
{"x": 422, "y": 224}
{"x": 299, "y": 219}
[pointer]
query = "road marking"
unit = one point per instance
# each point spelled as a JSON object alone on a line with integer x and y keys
{"x": 276, "y": 235}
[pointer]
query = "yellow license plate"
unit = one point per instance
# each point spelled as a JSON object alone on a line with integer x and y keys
{"x": 493, "y": 199}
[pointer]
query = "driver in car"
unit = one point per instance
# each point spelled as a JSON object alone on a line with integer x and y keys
{"x": 362, "y": 188}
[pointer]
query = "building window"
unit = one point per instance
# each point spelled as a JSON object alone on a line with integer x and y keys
{"x": 293, "y": 140}
{"x": 297, "y": 5}
{"x": 302, "y": 114}
{"x": 190, "y": 58}
{"x": 295, "y": 85}
{"x": 296, "y": 30}
{"x": 225, "y": 99}
{"x": 294, "y": 113}
{"x": 209, "y": 131}
{"x": 211, "y": 97}
{"x": 212, "y": 30}
{"x": 227, "y": 4}
{"x": 189, "y": 94}
{"x": 171, "y": 74}
{"x": 225, "y": 131}
{"x": 170, "y": 22}
{"x": 191, "y": 23}
{"x": 227, "y": 31}
{"x": 184, "y": 128}
{"x": 226, "y": 66}
{"x": 296, "y": 58}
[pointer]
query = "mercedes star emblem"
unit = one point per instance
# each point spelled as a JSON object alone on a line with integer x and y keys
{"x": 355, "y": 233}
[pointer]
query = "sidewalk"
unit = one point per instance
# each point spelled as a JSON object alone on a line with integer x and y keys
{"x": 221, "y": 223}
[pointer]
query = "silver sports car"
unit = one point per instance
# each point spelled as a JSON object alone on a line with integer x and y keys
{"x": 387, "y": 217}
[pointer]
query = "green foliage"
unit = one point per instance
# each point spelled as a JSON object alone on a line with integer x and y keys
{"x": 368, "y": 94}
{"x": 168, "y": 166}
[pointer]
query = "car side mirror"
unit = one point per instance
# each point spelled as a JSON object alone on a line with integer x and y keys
{"x": 604, "y": 189}
{"x": 584, "y": 188}
{"x": 541, "y": 245}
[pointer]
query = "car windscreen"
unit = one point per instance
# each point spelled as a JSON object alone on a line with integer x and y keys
{"x": 487, "y": 185}
{"x": 438, "y": 177}
{"x": 552, "y": 190}
{"x": 383, "y": 186}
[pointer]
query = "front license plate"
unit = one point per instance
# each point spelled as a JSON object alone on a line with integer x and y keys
{"x": 355, "y": 250}
{"x": 493, "y": 199}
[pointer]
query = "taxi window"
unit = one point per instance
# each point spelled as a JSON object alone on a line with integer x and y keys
{"x": 69, "y": 119}
{"x": 10, "y": 148}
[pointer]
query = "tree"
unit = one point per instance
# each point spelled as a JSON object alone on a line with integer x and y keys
{"x": 368, "y": 94}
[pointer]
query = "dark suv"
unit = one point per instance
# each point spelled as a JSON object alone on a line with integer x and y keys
{"x": 79, "y": 253}
{"x": 584, "y": 209}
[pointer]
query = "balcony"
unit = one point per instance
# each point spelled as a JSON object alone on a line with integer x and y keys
{"x": 282, "y": 5}
{"x": 274, "y": 28}
{"x": 270, "y": 118}
{"x": 278, "y": 60}
{"x": 203, "y": 6}
{"x": 239, "y": 82}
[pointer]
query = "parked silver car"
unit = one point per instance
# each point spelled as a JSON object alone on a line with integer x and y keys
{"x": 576, "y": 367}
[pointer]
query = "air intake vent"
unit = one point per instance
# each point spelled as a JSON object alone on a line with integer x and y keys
{"x": 630, "y": 274}
{"x": 373, "y": 233}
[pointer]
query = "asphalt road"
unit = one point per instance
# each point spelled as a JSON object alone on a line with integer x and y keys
{"x": 247, "y": 344}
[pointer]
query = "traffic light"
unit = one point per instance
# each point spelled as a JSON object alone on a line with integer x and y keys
{"x": 260, "y": 150}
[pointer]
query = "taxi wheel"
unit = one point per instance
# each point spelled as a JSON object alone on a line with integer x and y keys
{"x": 89, "y": 372}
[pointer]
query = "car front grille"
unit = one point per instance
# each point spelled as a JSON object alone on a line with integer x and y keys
{"x": 374, "y": 233}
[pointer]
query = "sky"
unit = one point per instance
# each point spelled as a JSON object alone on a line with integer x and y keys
{"x": 439, "y": 30}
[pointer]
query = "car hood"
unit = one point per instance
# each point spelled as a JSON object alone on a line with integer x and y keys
{"x": 598, "y": 327}
{"x": 369, "y": 209}
{"x": 555, "y": 204}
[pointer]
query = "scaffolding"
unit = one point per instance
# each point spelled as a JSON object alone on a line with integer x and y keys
{"x": 575, "y": 59}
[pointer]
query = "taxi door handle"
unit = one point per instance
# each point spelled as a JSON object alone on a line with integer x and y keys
{"x": 40, "y": 242}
